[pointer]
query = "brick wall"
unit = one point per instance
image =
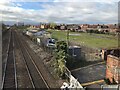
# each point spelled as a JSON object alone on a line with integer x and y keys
{"x": 113, "y": 68}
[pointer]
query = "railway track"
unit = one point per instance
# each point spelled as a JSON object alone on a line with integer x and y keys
{"x": 9, "y": 75}
{"x": 53, "y": 83}
{"x": 5, "y": 47}
{"x": 27, "y": 77}
{"x": 37, "y": 79}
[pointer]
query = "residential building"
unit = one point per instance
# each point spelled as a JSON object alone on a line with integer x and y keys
{"x": 42, "y": 26}
{"x": 62, "y": 27}
{"x": 84, "y": 27}
{"x": 73, "y": 27}
{"x": 113, "y": 27}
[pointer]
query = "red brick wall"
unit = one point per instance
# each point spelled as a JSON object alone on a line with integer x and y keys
{"x": 119, "y": 78}
{"x": 111, "y": 71}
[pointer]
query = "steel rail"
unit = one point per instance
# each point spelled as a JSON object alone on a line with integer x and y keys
{"x": 34, "y": 63}
{"x": 11, "y": 66}
{"x": 26, "y": 66}
{"x": 3, "y": 78}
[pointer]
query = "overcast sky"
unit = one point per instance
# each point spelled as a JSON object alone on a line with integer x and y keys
{"x": 59, "y": 11}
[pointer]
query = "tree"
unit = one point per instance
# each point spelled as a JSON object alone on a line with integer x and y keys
{"x": 3, "y": 26}
{"x": 52, "y": 25}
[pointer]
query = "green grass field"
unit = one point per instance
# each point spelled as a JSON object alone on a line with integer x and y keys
{"x": 90, "y": 40}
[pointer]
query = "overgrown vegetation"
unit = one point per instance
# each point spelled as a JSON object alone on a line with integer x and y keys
{"x": 107, "y": 81}
{"x": 4, "y": 26}
{"x": 60, "y": 55}
{"x": 52, "y": 25}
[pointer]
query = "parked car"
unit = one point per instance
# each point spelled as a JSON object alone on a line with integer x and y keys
{"x": 51, "y": 42}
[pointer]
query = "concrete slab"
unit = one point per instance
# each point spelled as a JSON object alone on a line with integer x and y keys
{"x": 89, "y": 74}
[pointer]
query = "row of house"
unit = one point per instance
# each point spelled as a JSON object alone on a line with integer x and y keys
{"x": 85, "y": 27}
{"x": 41, "y": 26}
{"x": 81, "y": 27}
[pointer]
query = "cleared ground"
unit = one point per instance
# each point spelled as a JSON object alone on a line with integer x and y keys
{"x": 87, "y": 39}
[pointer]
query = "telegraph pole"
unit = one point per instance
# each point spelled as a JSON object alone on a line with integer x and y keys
{"x": 68, "y": 38}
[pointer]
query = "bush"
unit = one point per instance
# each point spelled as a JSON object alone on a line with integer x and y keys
{"x": 60, "y": 58}
{"x": 107, "y": 81}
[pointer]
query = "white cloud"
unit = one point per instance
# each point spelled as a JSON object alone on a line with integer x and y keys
{"x": 107, "y": 1}
{"x": 69, "y": 12}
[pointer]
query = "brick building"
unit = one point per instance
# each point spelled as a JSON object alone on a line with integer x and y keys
{"x": 73, "y": 27}
{"x": 84, "y": 26}
{"x": 63, "y": 27}
{"x": 113, "y": 69}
